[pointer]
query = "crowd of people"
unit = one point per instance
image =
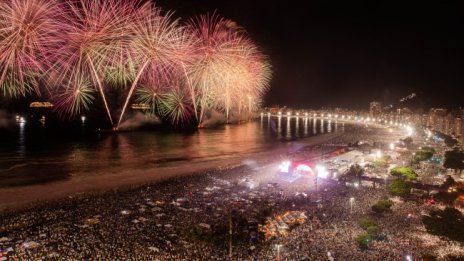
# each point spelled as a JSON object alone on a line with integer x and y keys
{"x": 195, "y": 218}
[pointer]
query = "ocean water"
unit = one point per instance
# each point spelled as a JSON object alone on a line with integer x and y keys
{"x": 37, "y": 153}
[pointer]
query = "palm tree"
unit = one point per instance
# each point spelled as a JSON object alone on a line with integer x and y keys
{"x": 355, "y": 172}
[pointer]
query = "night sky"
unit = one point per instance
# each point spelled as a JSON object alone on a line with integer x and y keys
{"x": 335, "y": 53}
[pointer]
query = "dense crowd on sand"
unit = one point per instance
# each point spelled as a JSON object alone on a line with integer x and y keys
{"x": 155, "y": 222}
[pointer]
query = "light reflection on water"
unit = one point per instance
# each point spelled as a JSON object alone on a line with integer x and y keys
{"x": 21, "y": 146}
{"x": 34, "y": 158}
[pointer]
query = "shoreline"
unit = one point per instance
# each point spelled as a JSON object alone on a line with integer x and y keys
{"x": 15, "y": 199}
{"x": 188, "y": 216}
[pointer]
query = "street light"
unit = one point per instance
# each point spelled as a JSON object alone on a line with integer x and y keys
{"x": 278, "y": 250}
{"x": 351, "y": 205}
{"x": 285, "y": 166}
{"x": 322, "y": 172}
{"x": 392, "y": 146}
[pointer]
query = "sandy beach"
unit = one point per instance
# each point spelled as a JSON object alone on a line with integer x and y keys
{"x": 184, "y": 210}
{"x": 16, "y": 198}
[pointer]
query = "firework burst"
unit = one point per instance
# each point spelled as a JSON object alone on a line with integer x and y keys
{"x": 225, "y": 64}
{"x": 150, "y": 97}
{"x": 31, "y": 32}
{"x": 176, "y": 106}
{"x": 152, "y": 90}
{"x": 77, "y": 98}
{"x": 160, "y": 44}
{"x": 82, "y": 48}
{"x": 96, "y": 45}
{"x": 214, "y": 45}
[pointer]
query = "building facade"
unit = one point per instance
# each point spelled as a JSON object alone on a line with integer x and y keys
{"x": 375, "y": 109}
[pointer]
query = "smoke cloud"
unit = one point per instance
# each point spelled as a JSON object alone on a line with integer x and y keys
{"x": 5, "y": 119}
{"x": 214, "y": 118}
{"x": 139, "y": 119}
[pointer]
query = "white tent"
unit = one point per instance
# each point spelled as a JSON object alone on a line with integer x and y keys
{"x": 30, "y": 244}
{"x": 204, "y": 225}
{"x": 155, "y": 249}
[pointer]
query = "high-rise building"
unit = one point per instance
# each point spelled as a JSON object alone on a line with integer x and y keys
{"x": 425, "y": 120}
{"x": 404, "y": 115}
{"x": 458, "y": 127}
{"x": 375, "y": 109}
{"x": 437, "y": 119}
{"x": 448, "y": 127}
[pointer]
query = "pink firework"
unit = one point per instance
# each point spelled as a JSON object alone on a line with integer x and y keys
{"x": 160, "y": 46}
{"x": 32, "y": 31}
{"x": 82, "y": 48}
{"x": 216, "y": 43}
{"x": 96, "y": 47}
{"x": 224, "y": 65}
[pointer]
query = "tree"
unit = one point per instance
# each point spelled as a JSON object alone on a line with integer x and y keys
{"x": 450, "y": 142}
{"x": 446, "y": 197}
{"x": 454, "y": 258}
{"x": 404, "y": 173}
{"x": 382, "y": 162}
{"x": 355, "y": 172}
{"x": 400, "y": 188}
{"x": 407, "y": 141}
{"x": 429, "y": 149}
{"x": 428, "y": 257}
{"x": 454, "y": 159}
{"x": 373, "y": 230}
{"x": 382, "y": 206}
{"x": 447, "y": 223}
{"x": 366, "y": 222}
{"x": 424, "y": 154}
{"x": 449, "y": 182}
{"x": 364, "y": 240}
